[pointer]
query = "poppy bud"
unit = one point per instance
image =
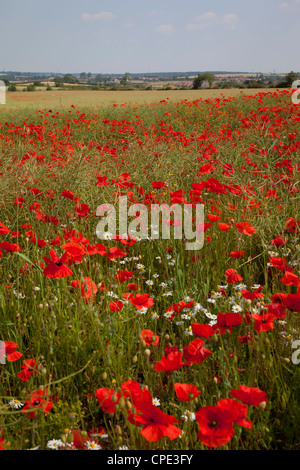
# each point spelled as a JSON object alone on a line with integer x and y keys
{"x": 147, "y": 352}
{"x": 134, "y": 359}
{"x": 262, "y": 405}
{"x": 118, "y": 430}
{"x": 122, "y": 402}
{"x": 104, "y": 376}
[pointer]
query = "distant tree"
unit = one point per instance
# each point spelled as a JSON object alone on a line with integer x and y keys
{"x": 290, "y": 78}
{"x": 203, "y": 77}
{"x": 83, "y": 75}
{"x": 68, "y": 78}
{"x": 58, "y": 81}
{"x": 124, "y": 79}
{"x": 12, "y": 87}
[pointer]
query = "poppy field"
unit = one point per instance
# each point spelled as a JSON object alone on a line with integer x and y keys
{"x": 138, "y": 343}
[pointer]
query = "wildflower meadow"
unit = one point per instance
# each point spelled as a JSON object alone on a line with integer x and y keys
{"x": 129, "y": 340}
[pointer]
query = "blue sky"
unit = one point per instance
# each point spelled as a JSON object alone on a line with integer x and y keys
{"x": 118, "y": 36}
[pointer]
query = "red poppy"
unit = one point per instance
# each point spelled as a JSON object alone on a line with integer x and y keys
{"x": 215, "y": 426}
{"x": 75, "y": 252}
{"x": 88, "y": 289}
{"x": 107, "y": 399}
{"x": 186, "y": 392}
{"x": 205, "y": 331}
{"x": 37, "y": 400}
{"x": 237, "y": 410}
{"x": 10, "y": 351}
{"x": 195, "y": 353}
{"x": 82, "y": 209}
{"x": 249, "y": 395}
{"x": 123, "y": 275}
{"x": 252, "y": 295}
{"x": 140, "y": 300}
{"x": 290, "y": 279}
{"x": 232, "y": 276}
{"x": 29, "y": 368}
{"x": 55, "y": 266}
{"x": 3, "y": 229}
{"x": 263, "y": 322}
{"x": 149, "y": 337}
{"x": 245, "y": 227}
{"x": 173, "y": 361}
{"x": 158, "y": 184}
{"x": 237, "y": 254}
{"x": 156, "y": 424}
{"x": 132, "y": 286}
{"x": 115, "y": 306}
{"x": 10, "y": 247}
{"x": 224, "y": 227}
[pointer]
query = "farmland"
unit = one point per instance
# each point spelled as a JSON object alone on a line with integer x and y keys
{"x": 138, "y": 343}
{"x": 66, "y": 98}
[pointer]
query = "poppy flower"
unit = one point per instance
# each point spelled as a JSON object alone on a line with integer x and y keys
{"x": 123, "y": 275}
{"x": 82, "y": 209}
{"x": 75, "y": 252}
{"x": 158, "y": 184}
{"x": 224, "y": 227}
{"x": 237, "y": 254}
{"x": 195, "y": 353}
{"x": 10, "y": 247}
{"x": 38, "y": 399}
{"x": 88, "y": 289}
{"x": 186, "y": 392}
{"x": 237, "y": 410}
{"x": 115, "y": 306}
{"x": 107, "y": 398}
{"x": 55, "y": 266}
{"x": 10, "y": 350}
{"x": 245, "y": 227}
{"x": 232, "y": 276}
{"x": 156, "y": 424}
{"x": 205, "y": 331}
{"x": 292, "y": 302}
{"x": 141, "y": 301}
{"x": 28, "y": 369}
{"x": 252, "y": 295}
{"x": 290, "y": 279}
{"x": 3, "y": 229}
{"x": 173, "y": 361}
{"x": 149, "y": 337}
{"x": 215, "y": 426}
{"x": 263, "y": 322}
{"x": 249, "y": 395}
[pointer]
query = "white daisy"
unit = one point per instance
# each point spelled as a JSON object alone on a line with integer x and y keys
{"x": 92, "y": 445}
{"x": 16, "y": 404}
{"x": 55, "y": 444}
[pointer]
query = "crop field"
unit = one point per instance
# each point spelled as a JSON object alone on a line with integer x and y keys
{"x": 115, "y": 336}
{"x": 66, "y": 98}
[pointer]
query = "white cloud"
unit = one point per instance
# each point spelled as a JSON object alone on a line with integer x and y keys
{"x": 156, "y": 12}
{"x": 290, "y": 4}
{"x": 205, "y": 21}
{"x": 103, "y": 15}
{"x": 230, "y": 20}
{"x": 165, "y": 29}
